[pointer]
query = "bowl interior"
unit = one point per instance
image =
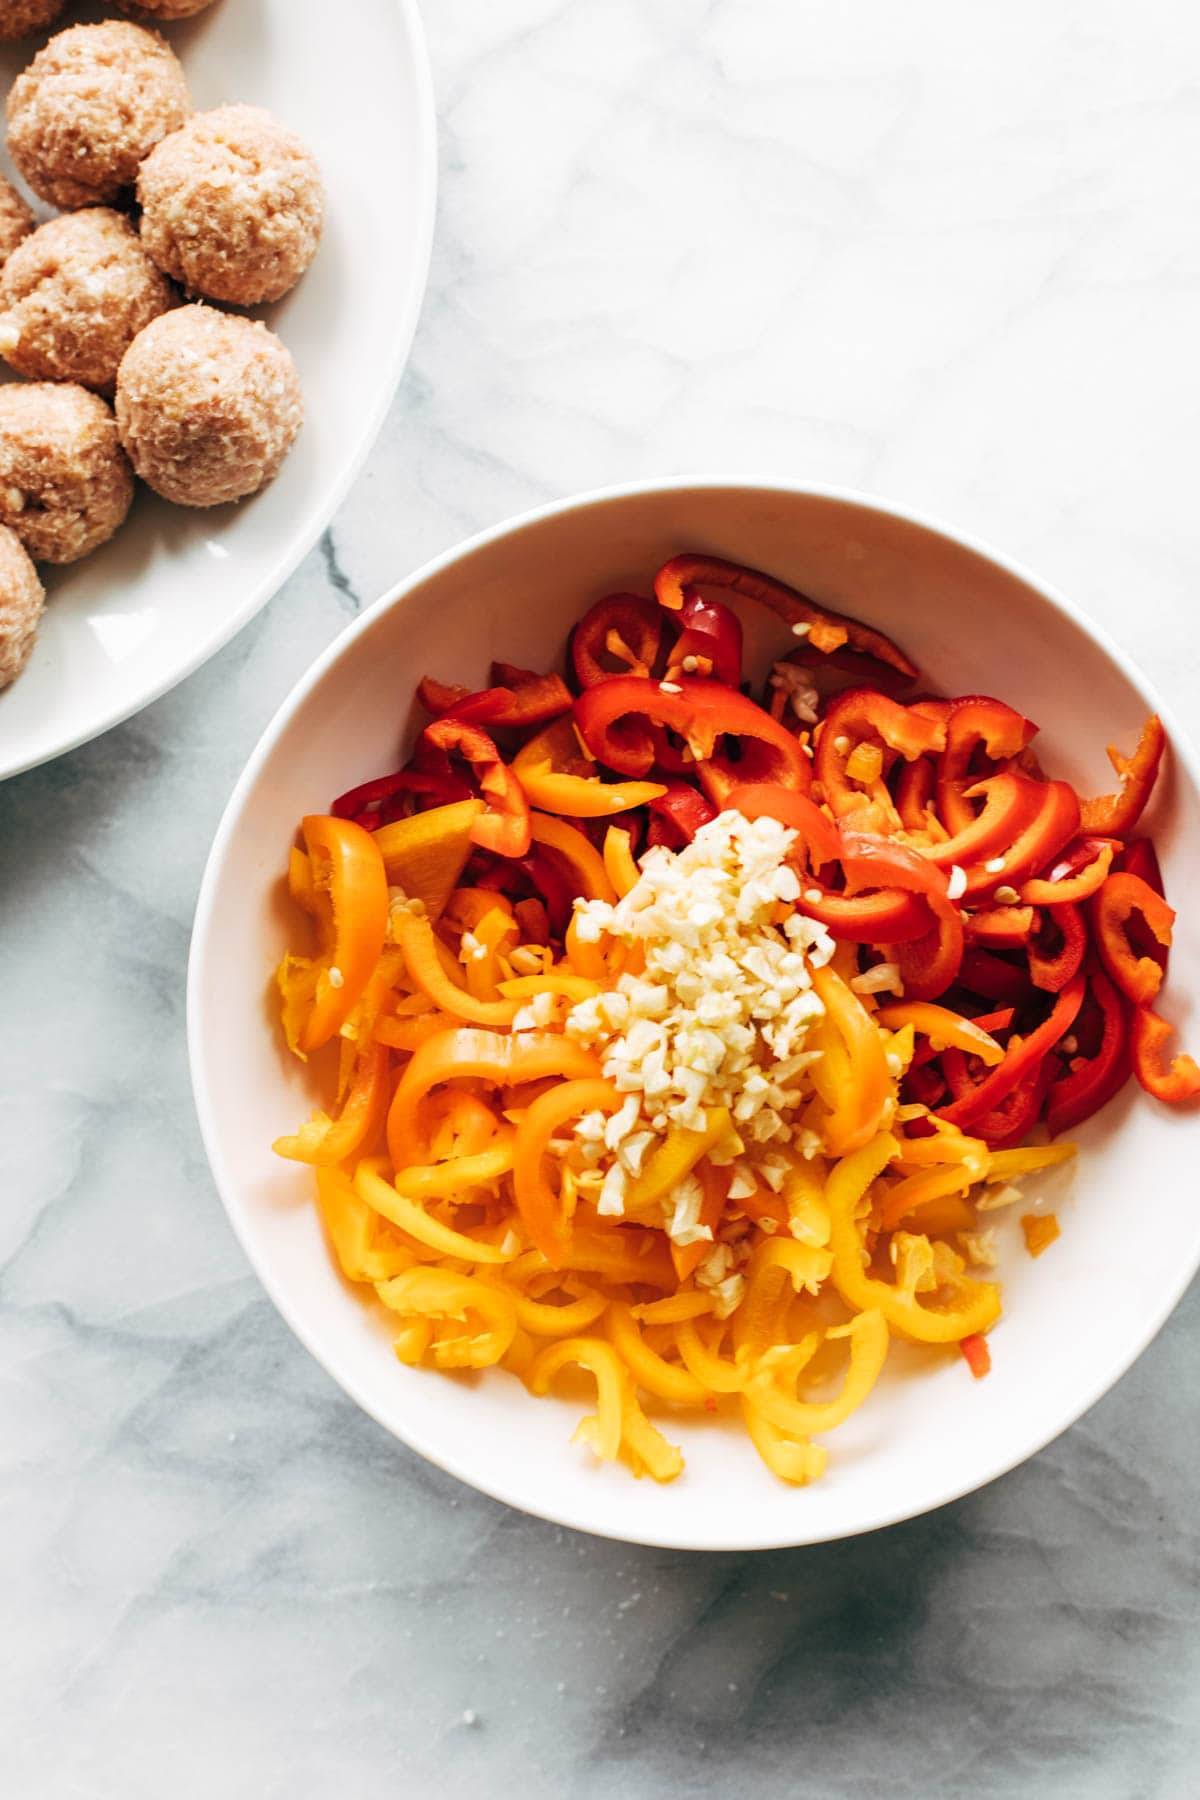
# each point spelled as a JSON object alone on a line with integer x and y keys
{"x": 1074, "y": 1320}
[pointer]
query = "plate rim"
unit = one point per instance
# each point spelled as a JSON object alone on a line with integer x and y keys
{"x": 504, "y": 1491}
{"x": 265, "y": 590}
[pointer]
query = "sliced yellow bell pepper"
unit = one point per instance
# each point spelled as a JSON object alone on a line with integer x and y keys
{"x": 980, "y": 1300}
{"x": 676, "y": 1157}
{"x": 426, "y": 854}
{"x": 557, "y": 778}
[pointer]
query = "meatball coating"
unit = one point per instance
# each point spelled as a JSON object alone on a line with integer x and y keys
{"x": 90, "y": 107}
{"x": 65, "y": 485}
{"x": 16, "y": 220}
{"x": 232, "y": 206}
{"x": 208, "y": 405}
{"x": 165, "y": 9}
{"x": 20, "y": 17}
{"x": 75, "y": 295}
{"x": 22, "y": 598}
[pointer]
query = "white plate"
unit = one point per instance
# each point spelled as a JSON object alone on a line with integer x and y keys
{"x": 123, "y": 626}
{"x": 1074, "y": 1320}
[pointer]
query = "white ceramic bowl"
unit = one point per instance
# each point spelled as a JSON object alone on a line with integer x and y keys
{"x": 175, "y": 584}
{"x": 1074, "y": 1320}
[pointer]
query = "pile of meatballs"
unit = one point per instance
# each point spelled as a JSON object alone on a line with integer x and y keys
{"x": 106, "y": 309}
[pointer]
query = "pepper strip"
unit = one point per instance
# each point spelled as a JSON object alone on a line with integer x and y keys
{"x": 1081, "y": 885}
{"x": 400, "y": 1210}
{"x": 1178, "y": 1083}
{"x": 602, "y": 1434}
{"x": 1123, "y": 895}
{"x": 1051, "y": 970}
{"x": 855, "y": 1117}
{"x": 1009, "y": 803}
{"x": 1020, "y": 1059}
{"x": 974, "y": 721}
{"x": 350, "y": 893}
{"x": 1053, "y": 824}
{"x": 624, "y": 627}
{"x": 827, "y": 630}
{"x": 1113, "y": 815}
{"x": 619, "y": 864}
{"x": 504, "y": 827}
{"x": 939, "y": 1023}
{"x": 557, "y": 778}
{"x": 845, "y": 1189}
{"x": 584, "y": 862}
{"x": 325, "y": 1142}
{"x": 868, "y": 1334}
{"x": 416, "y": 939}
{"x": 856, "y": 717}
{"x": 536, "y": 1201}
{"x": 468, "y": 1053}
{"x": 816, "y": 830}
{"x": 700, "y": 712}
{"x": 930, "y": 963}
{"x": 1092, "y": 1081}
{"x": 649, "y": 1370}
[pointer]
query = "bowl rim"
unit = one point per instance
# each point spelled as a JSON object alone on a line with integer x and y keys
{"x": 265, "y": 590}
{"x": 501, "y": 1489}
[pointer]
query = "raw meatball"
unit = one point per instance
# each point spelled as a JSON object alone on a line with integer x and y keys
{"x": 208, "y": 404}
{"x": 65, "y": 485}
{"x": 16, "y": 220}
{"x": 22, "y": 598}
{"x": 165, "y": 9}
{"x": 232, "y": 206}
{"x": 19, "y": 17}
{"x": 89, "y": 107}
{"x": 75, "y": 295}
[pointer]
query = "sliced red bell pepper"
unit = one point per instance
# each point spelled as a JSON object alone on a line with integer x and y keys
{"x": 505, "y": 826}
{"x": 914, "y": 793}
{"x": 535, "y": 702}
{"x": 367, "y": 803}
{"x": 1091, "y": 1081}
{"x": 990, "y": 976}
{"x": 832, "y": 671}
{"x": 927, "y": 964}
{"x": 1001, "y": 927}
{"x": 1010, "y": 802}
{"x": 1022, "y": 1057}
{"x": 1057, "y": 948}
{"x": 682, "y": 810}
{"x": 619, "y": 635}
{"x": 977, "y": 1355}
{"x": 890, "y": 916}
{"x": 1123, "y": 900}
{"x": 1011, "y": 1122}
{"x": 711, "y": 642}
{"x": 701, "y": 712}
{"x": 1113, "y": 815}
{"x": 820, "y": 836}
{"x": 1077, "y": 874}
{"x": 1176, "y": 1082}
{"x": 976, "y": 723}
{"x": 862, "y": 716}
{"x": 826, "y": 630}
{"x": 1139, "y": 857}
{"x": 1052, "y": 825}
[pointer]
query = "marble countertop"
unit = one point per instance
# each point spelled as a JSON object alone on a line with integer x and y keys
{"x": 948, "y": 254}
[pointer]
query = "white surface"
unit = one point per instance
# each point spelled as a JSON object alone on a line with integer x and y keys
{"x": 965, "y": 249}
{"x": 174, "y": 584}
{"x": 929, "y": 1432}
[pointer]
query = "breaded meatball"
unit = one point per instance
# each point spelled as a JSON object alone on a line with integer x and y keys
{"x": 19, "y": 17}
{"x": 208, "y": 404}
{"x": 90, "y": 106}
{"x": 165, "y": 9}
{"x": 65, "y": 485}
{"x": 232, "y": 206}
{"x": 75, "y": 295}
{"x": 22, "y": 598}
{"x": 16, "y": 220}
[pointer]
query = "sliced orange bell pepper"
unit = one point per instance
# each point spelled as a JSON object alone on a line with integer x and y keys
{"x": 855, "y": 1117}
{"x": 946, "y": 1027}
{"x": 468, "y": 1053}
{"x": 1176, "y": 1082}
{"x": 416, "y": 940}
{"x": 536, "y": 1201}
{"x": 351, "y": 897}
{"x": 504, "y": 827}
{"x": 674, "y": 1158}
{"x": 426, "y": 854}
{"x": 619, "y": 864}
{"x": 326, "y": 1142}
{"x": 558, "y": 778}
{"x": 585, "y": 864}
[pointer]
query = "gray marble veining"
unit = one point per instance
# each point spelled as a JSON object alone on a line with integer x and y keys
{"x": 947, "y": 253}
